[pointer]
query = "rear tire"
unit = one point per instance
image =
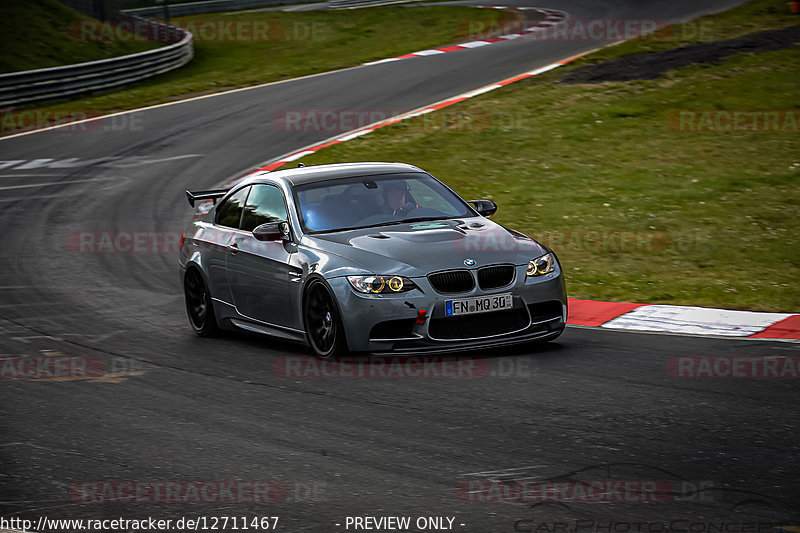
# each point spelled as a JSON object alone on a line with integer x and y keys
{"x": 199, "y": 306}
{"x": 324, "y": 330}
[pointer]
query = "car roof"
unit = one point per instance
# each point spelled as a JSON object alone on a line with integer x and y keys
{"x": 311, "y": 174}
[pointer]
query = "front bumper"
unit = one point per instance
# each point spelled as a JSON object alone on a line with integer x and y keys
{"x": 379, "y": 323}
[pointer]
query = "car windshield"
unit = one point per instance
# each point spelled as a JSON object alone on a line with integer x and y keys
{"x": 368, "y": 201}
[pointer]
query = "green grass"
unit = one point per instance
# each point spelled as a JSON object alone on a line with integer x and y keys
{"x": 289, "y": 45}
{"x": 721, "y": 210}
{"x": 46, "y": 33}
{"x": 748, "y": 18}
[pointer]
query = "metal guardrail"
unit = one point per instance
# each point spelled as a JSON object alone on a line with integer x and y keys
{"x": 30, "y": 86}
{"x": 209, "y": 6}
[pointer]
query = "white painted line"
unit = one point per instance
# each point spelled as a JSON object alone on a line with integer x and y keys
{"x": 354, "y": 135}
{"x": 511, "y": 36}
{"x": 695, "y": 320}
{"x": 480, "y": 91}
{"x": 382, "y": 61}
{"x": 298, "y": 155}
{"x": 53, "y": 183}
{"x": 418, "y": 113}
{"x": 502, "y": 471}
{"x": 26, "y": 175}
{"x": 544, "y": 69}
{"x": 428, "y": 52}
{"x": 474, "y": 44}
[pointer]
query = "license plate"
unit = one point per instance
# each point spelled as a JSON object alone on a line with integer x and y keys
{"x": 479, "y": 304}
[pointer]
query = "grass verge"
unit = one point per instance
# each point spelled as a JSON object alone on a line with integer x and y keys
{"x": 45, "y": 33}
{"x": 638, "y": 207}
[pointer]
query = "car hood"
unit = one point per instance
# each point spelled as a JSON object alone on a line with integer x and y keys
{"x": 418, "y": 248}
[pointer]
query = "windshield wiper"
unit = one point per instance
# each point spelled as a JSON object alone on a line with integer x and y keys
{"x": 423, "y": 219}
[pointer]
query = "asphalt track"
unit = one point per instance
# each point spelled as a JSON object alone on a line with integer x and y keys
{"x": 595, "y": 405}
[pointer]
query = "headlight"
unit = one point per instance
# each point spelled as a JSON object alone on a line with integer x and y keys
{"x": 541, "y": 265}
{"x": 381, "y": 284}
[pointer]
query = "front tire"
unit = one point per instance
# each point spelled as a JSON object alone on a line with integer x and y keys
{"x": 199, "y": 306}
{"x": 324, "y": 329}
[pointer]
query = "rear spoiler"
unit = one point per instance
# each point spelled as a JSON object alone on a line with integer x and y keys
{"x": 211, "y": 194}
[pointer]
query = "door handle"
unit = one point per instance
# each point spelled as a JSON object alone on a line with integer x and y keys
{"x": 233, "y": 248}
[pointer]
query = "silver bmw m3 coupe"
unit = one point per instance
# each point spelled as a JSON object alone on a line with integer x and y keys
{"x": 365, "y": 257}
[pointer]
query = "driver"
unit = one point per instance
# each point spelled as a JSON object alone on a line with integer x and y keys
{"x": 396, "y": 198}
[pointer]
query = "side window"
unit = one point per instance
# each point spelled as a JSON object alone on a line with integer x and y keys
{"x": 229, "y": 213}
{"x": 265, "y": 204}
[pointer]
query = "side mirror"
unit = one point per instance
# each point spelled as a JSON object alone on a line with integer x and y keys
{"x": 485, "y": 208}
{"x": 271, "y": 231}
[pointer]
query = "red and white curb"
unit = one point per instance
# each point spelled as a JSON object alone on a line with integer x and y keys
{"x": 684, "y": 319}
{"x": 294, "y": 156}
{"x": 552, "y": 17}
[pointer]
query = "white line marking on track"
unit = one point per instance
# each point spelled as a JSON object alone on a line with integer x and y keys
{"x": 544, "y": 69}
{"x": 298, "y": 155}
{"x": 503, "y": 471}
{"x": 53, "y": 183}
{"x": 480, "y": 91}
{"x": 474, "y": 44}
{"x": 26, "y": 175}
{"x": 354, "y": 135}
{"x": 428, "y": 52}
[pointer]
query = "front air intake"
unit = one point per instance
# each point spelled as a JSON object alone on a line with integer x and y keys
{"x": 452, "y": 281}
{"x": 494, "y": 277}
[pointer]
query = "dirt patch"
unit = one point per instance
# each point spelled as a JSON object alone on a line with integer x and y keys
{"x": 652, "y": 65}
